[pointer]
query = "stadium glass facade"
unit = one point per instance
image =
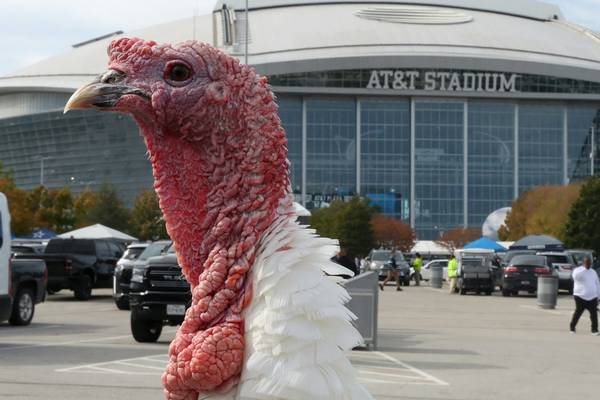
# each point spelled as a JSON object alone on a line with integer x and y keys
{"x": 438, "y": 160}
{"x": 79, "y": 149}
{"x": 438, "y": 163}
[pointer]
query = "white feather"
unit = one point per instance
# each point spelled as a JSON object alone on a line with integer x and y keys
{"x": 297, "y": 328}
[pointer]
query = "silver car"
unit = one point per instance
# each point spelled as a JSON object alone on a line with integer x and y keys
{"x": 563, "y": 264}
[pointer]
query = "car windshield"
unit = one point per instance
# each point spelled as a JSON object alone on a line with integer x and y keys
{"x": 472, "y": 263}
{"x": 511, "y": 254}
{"x": 133, "y": 253}
{"x": 22, "y": 249}
{"x": 154, "y": 249}
{"x": 579, "y": 256}
{"x": 558, "y": 259}
{"x": 71, "y": 246}
{"x": 384, "y": 256}
{"x": 171, "y": 249}
{"x": 529, "y": 260}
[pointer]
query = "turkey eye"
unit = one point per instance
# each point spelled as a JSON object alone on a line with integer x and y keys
{"x": 178, "y": 73}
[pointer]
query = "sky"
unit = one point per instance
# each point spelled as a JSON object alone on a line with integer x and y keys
{"x": 31, "y": 30}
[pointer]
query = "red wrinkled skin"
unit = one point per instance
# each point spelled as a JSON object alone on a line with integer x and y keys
{"x": 218, "y": 155}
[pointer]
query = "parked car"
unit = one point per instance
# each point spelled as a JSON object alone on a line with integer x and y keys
{"x": 378, "y": 259}
{"x": 79, "y": 264}
{"x": 426, "y": 270}
{"x": 22, "y": 282}
{"x": 522, "y": 274}
{"x": 475, "y": 274}
{"x": 564, "y": 264}
{"x": 159, "y": 295}
{"x": 122, "y": 275}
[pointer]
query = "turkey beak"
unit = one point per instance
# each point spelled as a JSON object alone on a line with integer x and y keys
{"x": 103, "y": 93}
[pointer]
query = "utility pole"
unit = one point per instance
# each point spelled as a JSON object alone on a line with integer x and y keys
{"x": 246, "y": 36}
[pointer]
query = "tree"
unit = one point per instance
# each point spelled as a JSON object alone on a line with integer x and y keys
{"x": 582, "y": 229}
{"x": 22, "y": 219}
{"x": 103, "y": 207}
{"x": 55, "y": 209}
{"x": 147, "y": 221}
{"x": 541, "y": 211}
{"x": 390, "y": 232}
{"x": 85, "y": 203}
{"x": 349, "y": 223}
{"x": 457, "y": 238}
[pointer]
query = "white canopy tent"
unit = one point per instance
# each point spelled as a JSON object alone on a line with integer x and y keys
{"x": 429, "y": 247}
{"x": 97, "y": 231}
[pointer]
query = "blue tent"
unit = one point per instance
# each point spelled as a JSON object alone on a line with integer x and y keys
{"x": 485, "y": 243}
{"x": 40, "y": 233}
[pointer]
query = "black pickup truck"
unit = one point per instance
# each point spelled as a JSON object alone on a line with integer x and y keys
{"x": 28, "y": 288}
{"x": 159, "y": 295}
{"x": 80, "y": 264}
{"x": 22, "y": 282}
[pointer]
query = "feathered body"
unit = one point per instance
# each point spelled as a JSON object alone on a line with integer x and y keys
{"x": 265, "y": 323}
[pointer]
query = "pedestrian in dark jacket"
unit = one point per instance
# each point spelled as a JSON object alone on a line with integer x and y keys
{"x": 392, "y": 271}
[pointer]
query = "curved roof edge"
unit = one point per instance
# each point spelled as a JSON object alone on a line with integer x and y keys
{"x": 521, "y": 8}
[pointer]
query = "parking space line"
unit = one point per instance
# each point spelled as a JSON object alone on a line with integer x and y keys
{"x": 130, "y": 364}
{"x": 411, "y": 368}
{"x": 104, "y": 364}
{"x": 72, "y": 342}
{"x": 362, "y": 371}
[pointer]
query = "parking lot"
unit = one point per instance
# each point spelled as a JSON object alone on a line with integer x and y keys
{"x": 431, "y": 346}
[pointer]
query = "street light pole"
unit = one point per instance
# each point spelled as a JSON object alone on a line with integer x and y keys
{"x": 246, "y": 36}
{"x": 42, "y": 159}
{"x": 593, "y": 150}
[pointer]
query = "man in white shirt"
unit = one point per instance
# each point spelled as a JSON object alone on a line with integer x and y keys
{"x": 586, "y": 291}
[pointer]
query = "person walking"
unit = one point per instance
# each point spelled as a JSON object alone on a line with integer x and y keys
{"x": 586, "y": 292}
{"x": 452, "y": 273}
{"x": 417, "y": 265}
{"x": 392, "y": 272}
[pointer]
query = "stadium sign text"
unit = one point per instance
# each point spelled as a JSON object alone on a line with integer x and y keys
{"x": 442, "y": 81}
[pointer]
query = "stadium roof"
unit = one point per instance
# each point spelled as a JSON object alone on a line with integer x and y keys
{"x": 522, "y": 8}
{"x": 345, "y": 35}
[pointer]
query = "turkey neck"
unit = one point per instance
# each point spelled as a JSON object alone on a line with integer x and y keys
{"x": 219, "y": 194}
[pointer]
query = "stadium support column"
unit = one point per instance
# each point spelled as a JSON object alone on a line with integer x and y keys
{"x": 516, "y": 156}
{"x": 465, "y": 164}
{"x": 304, "y": 133}
{"x": 358, "y": 149}
{"x": 412, "y": 163}
{"x": 565, "y": 145}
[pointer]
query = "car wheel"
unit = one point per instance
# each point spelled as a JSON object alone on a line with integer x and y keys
{"x": 505, "y": 293}
{"x": 145, "y": 331}
{"x": 122, "y": 303}
{"x": 23, "y": 307}
{"x": 83, "y": 290}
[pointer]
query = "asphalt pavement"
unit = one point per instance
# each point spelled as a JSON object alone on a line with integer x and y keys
{"x": 431, "y": 346}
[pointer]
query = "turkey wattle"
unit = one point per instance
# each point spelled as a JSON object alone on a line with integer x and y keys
{"x": 265, "y": 322}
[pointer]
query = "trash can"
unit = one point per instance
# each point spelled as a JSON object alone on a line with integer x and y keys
{"x": 364, "y": 299}
{"x": 437, "y": 276}
{"x": 547, "y": 291}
